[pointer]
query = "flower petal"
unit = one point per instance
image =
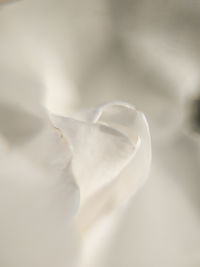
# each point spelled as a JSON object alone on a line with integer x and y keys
{"x": 111, "y": 156}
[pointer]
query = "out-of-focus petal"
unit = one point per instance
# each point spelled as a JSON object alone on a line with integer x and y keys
{"x": 38, "y": 199}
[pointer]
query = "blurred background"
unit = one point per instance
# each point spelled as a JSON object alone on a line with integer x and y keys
{"x": 76, "y": 54}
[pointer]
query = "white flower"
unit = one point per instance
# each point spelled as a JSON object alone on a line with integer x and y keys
{"x": 143, "y": 52}
{"x": 103, "y": 153}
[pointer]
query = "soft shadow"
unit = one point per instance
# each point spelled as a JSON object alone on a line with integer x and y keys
{"x": 18, "y": 126}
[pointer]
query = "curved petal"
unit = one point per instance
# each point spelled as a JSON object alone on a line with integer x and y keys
{"x": 111, "y": 156}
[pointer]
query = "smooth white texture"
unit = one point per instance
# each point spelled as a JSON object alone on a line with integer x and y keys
{"x": 38, "y": 193}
